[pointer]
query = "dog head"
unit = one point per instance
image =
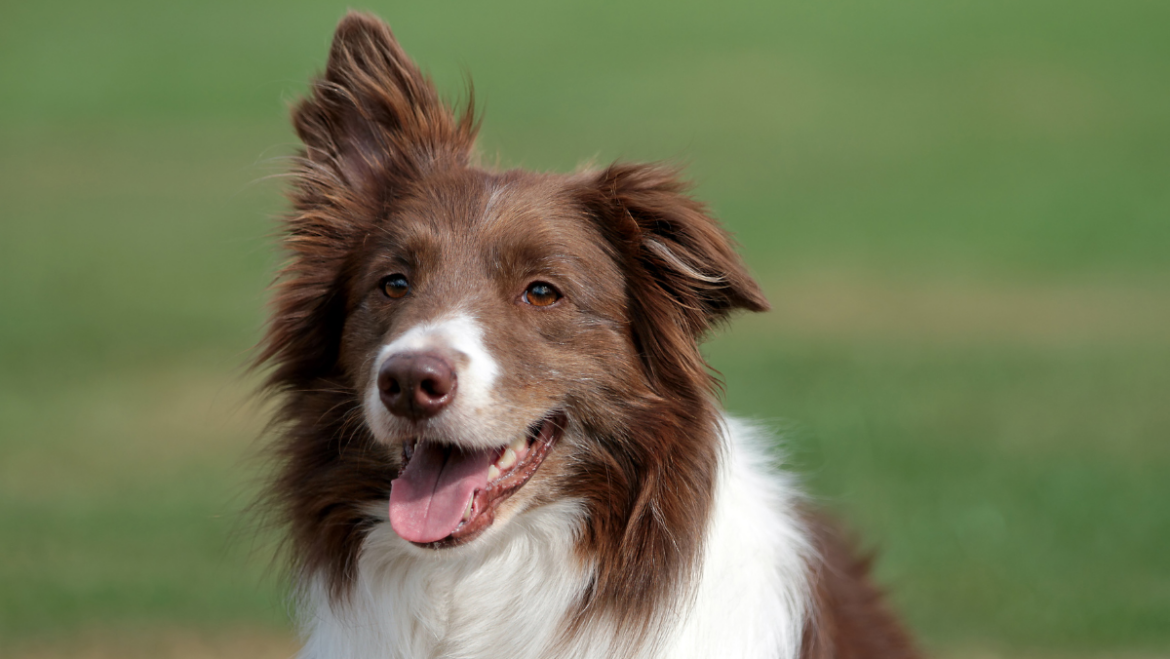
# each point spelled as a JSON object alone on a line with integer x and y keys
{"x": 472, "y": 344}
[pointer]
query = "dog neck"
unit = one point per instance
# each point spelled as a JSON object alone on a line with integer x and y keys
{"x": 514, "y": 593}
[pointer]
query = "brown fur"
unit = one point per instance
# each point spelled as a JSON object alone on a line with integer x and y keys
{"x": 386, "y": 183}
{"x": 849, "y": 619}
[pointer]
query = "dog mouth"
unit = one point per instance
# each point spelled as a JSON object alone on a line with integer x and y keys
{"x": 446, "y": 495}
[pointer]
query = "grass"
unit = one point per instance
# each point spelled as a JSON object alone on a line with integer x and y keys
{"x": 959, "y": 212}
{"x": 121, "y": 504}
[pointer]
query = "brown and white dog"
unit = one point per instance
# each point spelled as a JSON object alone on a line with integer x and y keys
{"x": 498, "y": 437}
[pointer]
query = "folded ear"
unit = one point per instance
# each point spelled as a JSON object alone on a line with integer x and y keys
{"x": 682, "y": 270}
{"x": 373, "y": 113}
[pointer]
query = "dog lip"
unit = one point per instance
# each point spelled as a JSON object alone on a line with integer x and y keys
{"x": 484, "y": 502}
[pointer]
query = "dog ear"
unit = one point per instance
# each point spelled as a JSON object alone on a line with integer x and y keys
{"x": 373, "y": 116}
{"x": 371, "y": 124}
{"x": 681, "y": 266}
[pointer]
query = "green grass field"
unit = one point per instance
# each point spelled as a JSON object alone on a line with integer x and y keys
{"x": 960, "y": 211}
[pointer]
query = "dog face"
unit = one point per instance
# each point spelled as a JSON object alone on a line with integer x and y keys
{"x": 486, "y": 308}
{"x": 475, "y": 343}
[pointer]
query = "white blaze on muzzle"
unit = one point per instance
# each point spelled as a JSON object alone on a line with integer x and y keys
{"x": 460, "y": 339}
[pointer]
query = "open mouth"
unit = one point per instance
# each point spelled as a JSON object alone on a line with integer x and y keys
{"x": 446, "y": 495}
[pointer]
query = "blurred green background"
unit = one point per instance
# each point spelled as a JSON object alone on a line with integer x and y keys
{"x": 960, "y": 211}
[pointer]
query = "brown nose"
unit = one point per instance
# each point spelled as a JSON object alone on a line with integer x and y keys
{"x": 416, "y": 385}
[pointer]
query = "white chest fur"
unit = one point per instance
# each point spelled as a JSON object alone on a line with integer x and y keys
{"x": 506, "y": 595}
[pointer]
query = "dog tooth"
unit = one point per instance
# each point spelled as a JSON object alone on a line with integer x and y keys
{"x": 519, "y": 444}
{"x": 467, "y": 513}
{"x": 507, "y": 459}
{"x": 493, "y": 473}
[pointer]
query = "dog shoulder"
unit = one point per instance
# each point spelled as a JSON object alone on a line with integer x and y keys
{"x": 848, "y": 616}
{"x": 752, "y": 597}
{"x": 782, "y": 579}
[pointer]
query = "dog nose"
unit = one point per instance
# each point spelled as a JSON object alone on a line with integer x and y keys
{"x": 416, "y": 385}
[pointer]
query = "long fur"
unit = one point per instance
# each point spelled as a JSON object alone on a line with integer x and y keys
{"x": 655, "y": 527}
{"x": 511, "y": 598}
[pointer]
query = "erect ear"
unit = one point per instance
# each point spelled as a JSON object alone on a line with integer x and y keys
{"x": 373, "y": 113}
{"x": 683, "y": 272}
{"x": 371, "y": 124}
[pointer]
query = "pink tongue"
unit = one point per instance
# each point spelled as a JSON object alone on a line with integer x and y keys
{"x": 429, "y": 496}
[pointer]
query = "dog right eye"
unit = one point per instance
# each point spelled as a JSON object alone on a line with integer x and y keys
{"x": 395, "y": 286}
{"x": 540, "y": 294}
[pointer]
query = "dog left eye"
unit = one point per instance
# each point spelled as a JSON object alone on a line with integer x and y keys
{"x": 395, "y": 286}
{"x": 540, "y": 294}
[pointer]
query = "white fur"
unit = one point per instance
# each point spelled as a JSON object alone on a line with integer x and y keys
{"x": 751, "y": 599}
{"x": 506, "y": 594}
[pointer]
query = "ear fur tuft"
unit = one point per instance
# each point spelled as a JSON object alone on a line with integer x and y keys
{"x": 682, "y": 269}
{"x": 374, "y": 113}
{"x": 372, "y": 126}
{"x": 677, "y": 239}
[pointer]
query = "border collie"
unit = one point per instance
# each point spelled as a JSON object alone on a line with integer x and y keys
{"x": 498, "y": 436}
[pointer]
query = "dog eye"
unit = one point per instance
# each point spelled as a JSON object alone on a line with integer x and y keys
{"x": 395, "y": 286}
{"x": 540, "y": 294}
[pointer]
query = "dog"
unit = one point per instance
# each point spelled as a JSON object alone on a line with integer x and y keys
{"x": 497, "y": 435}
